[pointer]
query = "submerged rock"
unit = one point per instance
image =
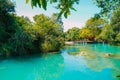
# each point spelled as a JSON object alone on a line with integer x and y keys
{"x": 107, "y": 55}
{"x": 83, "y": 54}
{"x": 118, "y": 76}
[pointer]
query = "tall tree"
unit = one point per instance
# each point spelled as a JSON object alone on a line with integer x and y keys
{"x": 6, "y": 6}
{"x": 95, "y": 26}
{"x": 115, "y": 21}
{"x": 6, "y": 20}
{"x": 73, "y": 34}
{"x": 107, "y": 33}
{"x": 107, "y": 6}
{"x": 55, "y": 19}
{"x": 86, "y": 34}
{"x": 51, "y": 33}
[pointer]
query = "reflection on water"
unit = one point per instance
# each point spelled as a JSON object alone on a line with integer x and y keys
{"x": 96, "y": 58}
{"x": 47, "y": 67}
{"x": 76, "y": 62}
{"x": 51, "y": 67}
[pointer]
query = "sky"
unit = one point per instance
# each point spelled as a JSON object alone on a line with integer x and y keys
{"x": 85, "y": 10}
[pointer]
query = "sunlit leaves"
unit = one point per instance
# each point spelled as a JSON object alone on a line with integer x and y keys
{"x": 51, "y": 32}
{"x": 107, "y": 6}
{"x": 85, "y": 33}
{"x": 107, "y": 33}
{"x": 115, "y": 21}
{"x": 118, "y": 37}
{"x": 73, "y": 34}
{"x": 27, "y": 1}
{"x": 65, "y": 6}
{"x": 95, "y": 25}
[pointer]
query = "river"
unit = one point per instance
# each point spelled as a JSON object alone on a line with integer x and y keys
{"x": 68, "y": 64}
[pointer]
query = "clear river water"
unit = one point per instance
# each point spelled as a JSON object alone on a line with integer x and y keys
{"x": 68, "y": 64}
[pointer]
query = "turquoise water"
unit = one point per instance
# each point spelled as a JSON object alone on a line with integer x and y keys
{"x": 66, "y": 65}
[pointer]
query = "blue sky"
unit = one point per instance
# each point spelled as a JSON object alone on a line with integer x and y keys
{"x": 85, "y": 10}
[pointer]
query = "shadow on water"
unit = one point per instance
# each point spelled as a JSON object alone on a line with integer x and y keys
{"x": 36, "y": 67}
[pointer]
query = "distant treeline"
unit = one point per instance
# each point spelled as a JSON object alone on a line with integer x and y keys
{"x": 98, "y": 29}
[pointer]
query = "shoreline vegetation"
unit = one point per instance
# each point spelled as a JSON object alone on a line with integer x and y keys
{"x": 19, "y": 36}
{"x": 91, "y": 42}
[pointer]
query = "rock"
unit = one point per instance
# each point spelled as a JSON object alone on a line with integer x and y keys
{"x": 83, "y": 54}
{"x": 69, "y": 43}
{"x": 107, "y": 55}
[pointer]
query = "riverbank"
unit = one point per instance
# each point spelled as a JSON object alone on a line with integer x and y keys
{"x": 89, "y": 42}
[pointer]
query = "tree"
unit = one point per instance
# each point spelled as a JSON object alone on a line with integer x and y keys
{"x": 6, "y": 19}
{"x": 55, "y": 19}
{"x": 18, "y": 35}
{"x": 110, "y": 32}
{"x": 7, "y": 22}
{"x": 28, "y": 38}
{"x": 115, "y": 21}
{"x": 93, "y": 22}
{"x": 107, "y": 6}
{"x": 21, "y": 39}
{"x": 95, "y": 25}
{"x": 73, "y": 34}
{"x": 107, "y": 33}
{"x": 118, "y": 37}
{"x": 6, "y": 6}
{"x": 50, "y": 32}
{"x": 86, "y": 34}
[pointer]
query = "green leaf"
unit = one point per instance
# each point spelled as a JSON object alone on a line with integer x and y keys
{"x": 27, "y": 1}
{"x": 73, "y": 8}
{"x": 65, "y": 14}
{"x": 68, "y": 12}
{"x": 44, "y": 4}
{"x": 39, "y": 3}
{"x": 32, "y": 4}
{"x": 61, "y": 12}
{"x": 35, "y": 3}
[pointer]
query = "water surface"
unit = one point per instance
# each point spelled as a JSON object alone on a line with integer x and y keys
{"x": 66, "y": 65}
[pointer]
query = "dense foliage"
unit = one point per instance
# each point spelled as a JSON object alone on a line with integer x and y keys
{"x": 107, "y": 6}
{"x": 18, "y": 35}
{"x": 72, "y": 34}
{"x": 90, "y": 32}
{"x": 51, "y": 34}
{"x": 99, "y": 30}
